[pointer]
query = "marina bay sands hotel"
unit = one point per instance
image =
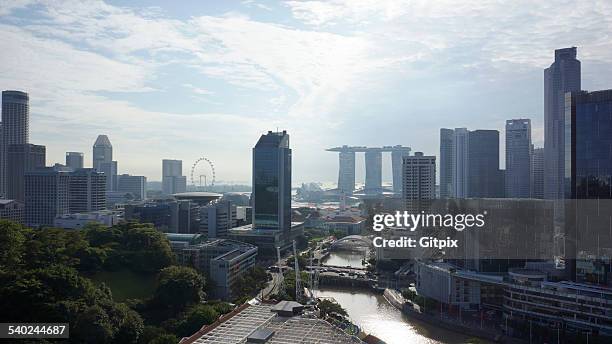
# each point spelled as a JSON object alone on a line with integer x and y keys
{"x": 373, "y": 167}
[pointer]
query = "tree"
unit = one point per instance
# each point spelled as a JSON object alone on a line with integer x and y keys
{"x": 178, "y": 287}
{"x": 328, "y": 307}
{"x": 195, "y": 318}
{"x": 12, "y": 240}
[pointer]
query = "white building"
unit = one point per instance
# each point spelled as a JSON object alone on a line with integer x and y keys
{"x": 173, "y": 180}
{"x": 107, "y": 218}
{"x": 217, "y": 218}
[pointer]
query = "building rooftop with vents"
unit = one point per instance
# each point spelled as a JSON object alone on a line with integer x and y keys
{"x": 265, "y": 323}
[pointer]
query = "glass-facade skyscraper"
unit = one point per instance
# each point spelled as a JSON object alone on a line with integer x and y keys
{"x": 518, "y": 158}
{"x": 562, "y": 76}
{"x": 272, "y": 182}
{"x": 588, "y": 145}
{"x": 15, "y": 129}
{"x": 484, "y": 178}
{"x": 588, "y": 185}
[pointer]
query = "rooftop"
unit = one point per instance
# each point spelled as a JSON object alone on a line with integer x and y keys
{"x": 259, "y": 322}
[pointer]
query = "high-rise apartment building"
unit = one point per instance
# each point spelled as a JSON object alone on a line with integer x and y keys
{"x": 461, "y": 162}
{"x": 419, "y": 179}
{"x": 518, "y": 158}
{"x": 447, "y": 152}
{"x": 562, "y": 76}
{"x": 484, "y": 177}
{"x": 103, "y": 161}
{"x": 173, "y": 180}
{"x": 272, "y": 182}
{"x": 537, "y": 173}
{"x": 87, "y": 190}
{"x": 217, "y": 218}
{"x": 46, "y": 191}
{"x": 15, "y": 128}
{"x": 74, "y": 160}
{"x": 21, "y": 158}
{"x": 135, "y": 185}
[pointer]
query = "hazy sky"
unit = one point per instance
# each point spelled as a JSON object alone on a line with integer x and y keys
{"x": 185, "y": 79}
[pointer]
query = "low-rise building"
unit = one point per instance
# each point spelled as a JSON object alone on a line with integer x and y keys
{"x": 107, "y": 218}
{"x": 272, "y": 324}
{"x": 438, "y": 281}
{"x": 12, "y": 210}
{"x": 222, "y": 261}
{"x": 267, "y": 240}
{"x": 349, "y": 225}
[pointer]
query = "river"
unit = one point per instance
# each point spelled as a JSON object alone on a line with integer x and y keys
{"x": 374, "y": 315}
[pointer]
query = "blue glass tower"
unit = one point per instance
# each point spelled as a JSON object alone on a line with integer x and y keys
{"x": 272, "y": 182}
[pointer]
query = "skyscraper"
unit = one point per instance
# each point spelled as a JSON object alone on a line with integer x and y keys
{"x": 46, "y": 191}
{"x": 346, "y": 172}
{"x": 373, "y": 178}
{"x": 173, "y": 180}
{"x": 21, "y": 159}
{"x": 484, "y": 176}
{"x": 74, "y": 160}
{"x": 272, "y": 182}
{"x": 87, "y": 190}
{"x": 103, "y": 161}
{"x": 419, "y": 179}
{"x": 460, "y": 162}
{"x": 562, "y": 76}
{"x": 518, "y": 158}
{"x": 136, "y": 185}
{"x": 397, "y": 160}
{"x": 15, "y": 128}
{"x": 588, "y": 178}
{"x": 537, "y": 173}
{"x": 447, "y": 151}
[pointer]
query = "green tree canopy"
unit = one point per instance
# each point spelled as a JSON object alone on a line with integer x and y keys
{"x": 178, "y": 287}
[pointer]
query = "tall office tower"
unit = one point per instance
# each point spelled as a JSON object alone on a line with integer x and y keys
{"x": 397, "y": 160}
{"x": 419, "y": 179}
{"x": 484, "y": 176}
{"x": 15, "y": 128}
{"x": 21, "y": 159}
{"x": 588, "y": 168}
{"x": 537, "y": 173}
{"x": 346, "y": 172}
{"x": 461, "y": 163}
{"x": 87, "y": 190}
{"x": 173, "y": 180}
{"x": 103, "y": 161}
{"x": 136, "y": 185}
{"x": 373, "y": 178}
{"x": 217, "y": 218}
{"x": 518, "y": 158}
{"x": 74, "y": 160}
{"x": 562, "y": 76}
{"x": 46, "y": 191}
{"x": 272, "y": 182}
{"x": 447, "y": 151}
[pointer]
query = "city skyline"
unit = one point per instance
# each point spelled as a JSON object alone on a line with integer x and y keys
{"x": 177, "y": 78}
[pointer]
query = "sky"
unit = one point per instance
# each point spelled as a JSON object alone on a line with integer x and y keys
{"x": 191, "y": 79}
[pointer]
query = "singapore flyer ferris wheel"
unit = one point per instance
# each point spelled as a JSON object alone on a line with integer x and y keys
{"x": 203, "y": 170}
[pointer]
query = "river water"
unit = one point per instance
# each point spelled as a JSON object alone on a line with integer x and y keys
{"x": 374, "y": 315}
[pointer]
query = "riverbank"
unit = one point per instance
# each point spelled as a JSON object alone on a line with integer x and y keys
{"x": 413, "y": 311}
